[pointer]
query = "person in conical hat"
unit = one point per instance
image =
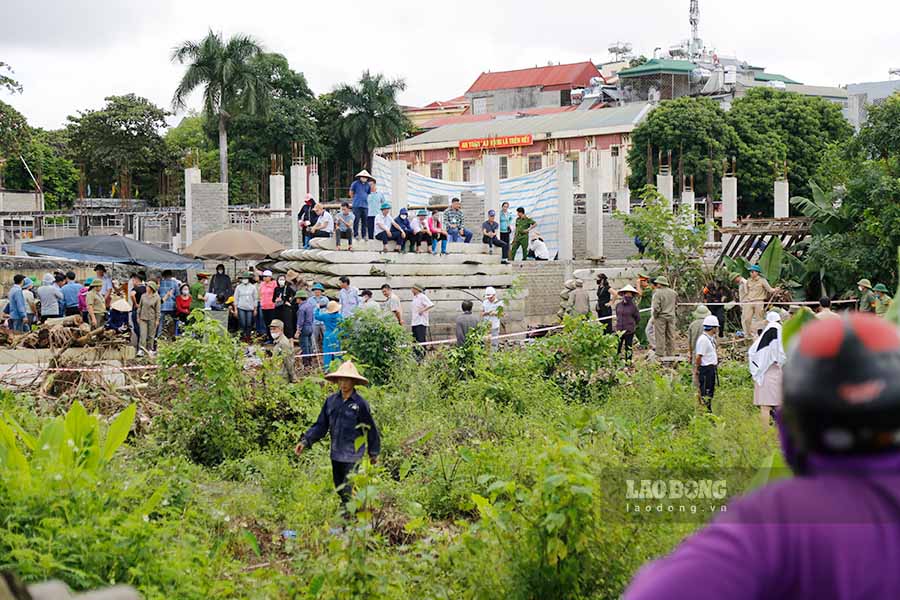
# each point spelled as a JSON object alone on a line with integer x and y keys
{"x": 359, "y": 192}
{"x": 331, "y": 319}
{"x": 346, "y": 416}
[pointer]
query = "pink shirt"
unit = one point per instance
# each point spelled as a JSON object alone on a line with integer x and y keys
{"x": 434, "y": 227}
{"x": 266, "y": 292}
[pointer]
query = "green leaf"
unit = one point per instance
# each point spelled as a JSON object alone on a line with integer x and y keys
{"x": 404, "y": 469}
{"x": 771, "y": 260}
{"x": 11, "y": 458}
{"x": 250, "y": 538}
{"x": 118, "y": 432}
{"x": 893, "y": 313}
{"x": 359, "y": 442}
{"x": 315, "y": 586}
{"x": 26, "y": 437}
{"x": 793, "y": 325}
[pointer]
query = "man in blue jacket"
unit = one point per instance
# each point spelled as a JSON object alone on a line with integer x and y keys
{"x": 359, "y": 191}
{"x": 15, "y": 306}
{"x": 346, "y": 416}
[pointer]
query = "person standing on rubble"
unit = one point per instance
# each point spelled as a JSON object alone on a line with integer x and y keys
{"x": 149, "y": 312}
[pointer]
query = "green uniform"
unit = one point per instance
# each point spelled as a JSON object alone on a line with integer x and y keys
{"x": 662, "y": 308}
{"x": 882, "y": 304}
{"x": 284, "y": 349}
{"x": 521, "y": 237}
{"x": 198, "y": 295}
{"x": 867, "y": 301}
{"x": 646, "y": 300}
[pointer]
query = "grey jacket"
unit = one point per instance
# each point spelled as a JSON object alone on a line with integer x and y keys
{"x": 464, "y": 323}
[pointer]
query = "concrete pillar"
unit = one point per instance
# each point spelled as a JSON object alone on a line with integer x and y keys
{"x": 566, "y": 209}
{"x": 782, "y": 202}
{"x": 399, "y": 186}
{"x": 623, "y": 200}
{"x": 664, "y": 185}
{"x": 298, "y": 197}
{"x": 276, "y": 192}
{"x": 313, "y": 186}
{"x": 607, "y": 170}
{"x": 729, "y": 201}
{"x": 687, "y": 205}
{"x": 594, "y": 212}
{"x": 191, "y": 176}
{"x": 491, "y": 164}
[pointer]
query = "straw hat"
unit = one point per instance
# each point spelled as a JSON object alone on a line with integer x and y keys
{"x": 121, "y": 305}
{"x": 364, "y": 173}
{"x": 292, "y": 275}
{"x": 332, "y": 307}
{"x": 347, "y": 370}
{"x": 418, "y": 286}
{"x": 628, "y": 288}
{"x": 96, "y": 283}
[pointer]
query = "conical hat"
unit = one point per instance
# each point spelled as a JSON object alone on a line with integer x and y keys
{"x": 121, "y": 305}
{"x": 364, "y": 173}
{"x": 628, "y": 288}
{"x": 347, "y": 370}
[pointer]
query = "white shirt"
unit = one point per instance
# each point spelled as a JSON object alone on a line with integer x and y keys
{"x": 326, "y": 221}
{"x": 383, "y": 223}
{"x": 417, "y": 225}
{"x": 29, "y": 301}
{"x": 392, "y": 303}
{"x": 419, "y": 315}
{"x": 706, "y": 350}
{"x": 491, "y": 307}
{"x": 209, "y": 300}
{"x": 539, "y": 248}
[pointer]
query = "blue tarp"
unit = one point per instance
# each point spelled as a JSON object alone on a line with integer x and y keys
{"x": 111, "y": 249}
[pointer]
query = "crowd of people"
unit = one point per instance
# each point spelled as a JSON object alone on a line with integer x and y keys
{"x": 368, "y": 216}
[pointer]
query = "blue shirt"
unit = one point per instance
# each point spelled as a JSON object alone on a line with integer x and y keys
{"x": 164, "y": 286}
{"x": 506, "y": 221}
{"x": 404, "y": 224}
{"x": 70, "y": 294}
{"x": 360, "y": 193}
{"x": 376, "y": 199}
{"x": 350, "y": 217}
{"x": 16, "y": 305}
{"x": 345, "y": 420}
{"x": 305, "y": 315}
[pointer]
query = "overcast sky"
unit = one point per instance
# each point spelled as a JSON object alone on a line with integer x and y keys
{"x": 70, "y": 54}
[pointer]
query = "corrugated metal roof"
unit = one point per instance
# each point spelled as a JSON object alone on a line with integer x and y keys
{"x": 469, "y": 118}
{"x": 659, "y": 65}
{"x": 559, "y": 76}
{"x": 619, "y": 118}
{"x": 805, "y": 90}
{"x": 775, "y": 77}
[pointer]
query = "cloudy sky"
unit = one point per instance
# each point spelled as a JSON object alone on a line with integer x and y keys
{"x": 70, "y": 54}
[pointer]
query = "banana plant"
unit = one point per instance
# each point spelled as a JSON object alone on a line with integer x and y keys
{"x": 828, "y": 214}
{"x": 68, "y": 448}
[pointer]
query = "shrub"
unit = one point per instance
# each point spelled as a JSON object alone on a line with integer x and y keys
{"x": 380, "y": 344}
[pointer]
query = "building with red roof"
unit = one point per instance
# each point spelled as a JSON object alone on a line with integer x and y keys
{"x": 536, "y": 87}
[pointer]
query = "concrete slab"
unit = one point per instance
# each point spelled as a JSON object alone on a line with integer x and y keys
{"x": 360, "y": 257}
{"x": 447, "y": 281}
{"x": 357, "y": 270}
{"x": 376, "y": 246}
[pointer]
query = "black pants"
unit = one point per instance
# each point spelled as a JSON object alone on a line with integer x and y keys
{"x": 494, "y": 241}
{"x": 505, "y": 238}
{"x": 347, "y": 235}
{"x": 339, "y": 473}
{"x": 71, "y": 311}
{"x": 359, "y": 221}
{"x": 420, "y": 333}
{"x": 321, "y": 234}
{"x": 605, "y": 312}
{"x": 719, "y": 313}
{"x": 707, "y": 376}
{"x": 625, "y": 340}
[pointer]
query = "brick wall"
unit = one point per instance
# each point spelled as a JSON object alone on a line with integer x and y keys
{"x": 210, "y": 202}
{"x": 544, "y": 281}
{"x": 279, "y": 229}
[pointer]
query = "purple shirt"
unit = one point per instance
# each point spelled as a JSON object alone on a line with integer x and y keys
{"x": 832, "y": 535}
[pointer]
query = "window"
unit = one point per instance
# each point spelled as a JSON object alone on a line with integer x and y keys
{"x": 534, "y": 162}
{"x": 467, "y": 169}
{"x": 437, "y": 170}
{"x": 479, "y": 106}
{"x": 576, "y": 173}
{"x": 504, "y": 167}
{"x": 614, "y": 150}
{"x": 565, "y": 98}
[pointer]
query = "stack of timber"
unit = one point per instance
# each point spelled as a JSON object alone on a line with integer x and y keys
{"x": 462, "y": 274}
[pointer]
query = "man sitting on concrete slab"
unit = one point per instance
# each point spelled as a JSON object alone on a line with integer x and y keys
{"x": 345, "y": 220}
{"x": 324, "y": 227}
{"x": 386, "y": 230}
{"x": 490, "y": 231}
{"x": 453, "y": 219}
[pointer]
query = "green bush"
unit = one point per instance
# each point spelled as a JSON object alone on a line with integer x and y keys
{"x": 380, "y": 344}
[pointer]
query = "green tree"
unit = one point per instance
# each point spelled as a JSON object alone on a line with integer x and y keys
{"x": 880, "y": 137}
{"x": 231, "y": 85}
{"x": 373, "y": 117}
{"x": 122, "y": 138}
{"x": 6, "y": 81}
{"x": 45, "y": 153}
{"x": 14, "y": 131}
{"x": 775, "y": 126}
{"x": 696, "y": 132}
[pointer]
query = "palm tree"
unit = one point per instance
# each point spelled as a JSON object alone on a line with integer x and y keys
{"x": 230, "y": 84}
{"x": 373, "y": 117}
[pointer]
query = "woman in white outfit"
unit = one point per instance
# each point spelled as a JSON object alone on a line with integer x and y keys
{"x": 491, "y": 308}
{"x": 766, "y": 357}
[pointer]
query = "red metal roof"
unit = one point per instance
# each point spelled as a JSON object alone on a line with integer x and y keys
{"x": 554, "y": 76}
{"x": 458, "y": 101}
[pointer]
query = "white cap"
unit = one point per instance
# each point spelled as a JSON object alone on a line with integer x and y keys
{"x": 489, "y": 291}
{"x": 710, "y": 321}
{"x": 773, "y": 317}
{"x": 267, "y": 273}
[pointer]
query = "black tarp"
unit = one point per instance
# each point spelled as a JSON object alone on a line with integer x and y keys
{"x": 111, "y": 249}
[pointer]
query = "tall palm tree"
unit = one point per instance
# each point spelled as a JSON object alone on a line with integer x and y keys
{"x": 230, "y": 83}
{"x": 373, "y": 117}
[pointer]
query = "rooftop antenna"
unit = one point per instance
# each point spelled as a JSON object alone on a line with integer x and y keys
{"x": 696, "y": 43}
